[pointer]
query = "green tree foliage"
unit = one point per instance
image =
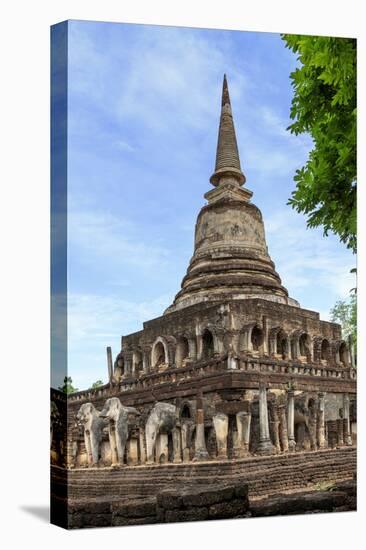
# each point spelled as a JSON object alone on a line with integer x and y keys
{"x": 324, "y": 105}
{"x": 67, "y": 386}
{"x": 97, "y": 384}
{"x": 345, "y": 313}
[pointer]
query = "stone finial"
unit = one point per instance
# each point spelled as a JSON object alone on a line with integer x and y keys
{"x": 227, "y": 154}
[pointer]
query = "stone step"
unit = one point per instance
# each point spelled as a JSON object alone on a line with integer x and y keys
{"x": 264, "y": 476}
{"x": 165, "y": 470}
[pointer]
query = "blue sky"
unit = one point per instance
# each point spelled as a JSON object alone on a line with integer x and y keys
{"x": 144, "y": 105}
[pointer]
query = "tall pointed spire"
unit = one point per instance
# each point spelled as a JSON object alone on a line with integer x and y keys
{"x": 230, "y": 260}
{"x": 227, "y": 154}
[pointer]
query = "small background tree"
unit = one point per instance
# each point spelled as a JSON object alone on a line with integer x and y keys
{"x": 67, "y": 386}
{"x": 345, "y": 313}
{"x": 97, "y": 384}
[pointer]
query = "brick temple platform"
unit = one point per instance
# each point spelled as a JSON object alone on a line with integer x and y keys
{"x": 264, "y": 475}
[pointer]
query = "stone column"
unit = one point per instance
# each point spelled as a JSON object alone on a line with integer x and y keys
{"x": 249, "y": 339}
{"x": 113, "y": 445}
{"x": 132, "y": 452}
{"x": 199, "y": 345}
{"x": 145, "y": 360}
{"x": 128, "y": 364}
{"x": 289, "y": 351}
{"x": 340, "y": 440}
{"x": 265, "y": 335}
{"x": 221, "y": 425}
{"x": 185, "y": 447}
{"x": 275, "y": 424}
{"x": 265, "y": 446}
{"x": 177, "y": 446}
{"x": 291, "y": 421}
{"x": 142, "y": 446}
{"x": 110, "y": 364}
{"x": 200, "y": 442}
{"x": 232, "y": 362}
{"x": 313, "y": 413}
{"x": 192, "y": 349}
{"x": 321, "y": 422}
{"x": 297, "y": 347}
{"x": 283, "y": 428}
{"x": 273, "y": 345}
{"x": 243, "y": 420}
{"x": 346, "y": 421}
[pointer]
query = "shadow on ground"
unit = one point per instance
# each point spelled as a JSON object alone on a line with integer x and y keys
{"x": 40, "y": 512}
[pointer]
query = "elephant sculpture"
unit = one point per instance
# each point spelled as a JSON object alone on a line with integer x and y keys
{"x": 305, "y": 417}
{"x": 93, "y": 424}
{"x": 162, "y": 419}
{"x": 117, "y": 415}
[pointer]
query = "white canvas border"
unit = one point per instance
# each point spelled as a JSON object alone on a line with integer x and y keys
{"x": 25, "y": 261}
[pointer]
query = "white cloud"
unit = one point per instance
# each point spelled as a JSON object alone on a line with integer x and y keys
{"x": 95, "y": 322}
{"x": 305, "y": 260}
{"x": 94, "y": 317}
{"x": 163, "y": 72}
{"x": 102, "y": 237}
{"x": 125, "y": 146}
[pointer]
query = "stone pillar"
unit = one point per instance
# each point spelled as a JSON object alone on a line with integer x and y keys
{"x": 265, "y": 446}
{"x": 192, "y": 349}
{"x": 249, "y": 339}
{"x": 313, "y": 413}
{"x": 291, "y": 421}
{"x": 288, "y": 352}
{"x": 265, "y": 335}
{"x": 132, "y": 452}
{"x": 321, "y": 422}
{"x": 275, "y": 424}
{"x": 110, "y": 364}
{"x": 235, "y": 341}
{"x": 142, "y": 446}
{"x": 128, "y": 364}
{"x": 199, "y": 346}
{"x": 185, "y": 447}
{"x": 200, "y": 442}
{"x": 340, "y": 433}
{"x": 177, "y": 446}
{"x": 283, "y": 428}
{"x": 243, "y": 420}
{"x": 145, "y": 360}
{"x": 232, "y": 362}
{"x": 221, "y": 425}
{"x": 273, "y": 345}
{"x": 113, "y": 445}
{"x": 346, "y": 420}
{"x": 297, "y": 347}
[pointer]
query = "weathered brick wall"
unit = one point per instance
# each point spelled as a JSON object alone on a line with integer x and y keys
{"x": 200, "y": 504}
{"x": 220, "y": 502}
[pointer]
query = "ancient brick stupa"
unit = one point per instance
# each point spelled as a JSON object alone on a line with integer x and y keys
{"x": 245, "y": 370}
{"x": 230, "y": 260}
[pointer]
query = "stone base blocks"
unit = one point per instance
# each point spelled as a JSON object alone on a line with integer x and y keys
{"x": 203, "y": 503}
